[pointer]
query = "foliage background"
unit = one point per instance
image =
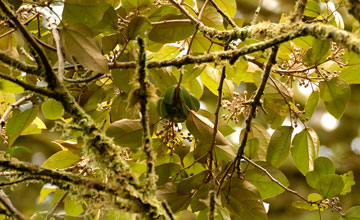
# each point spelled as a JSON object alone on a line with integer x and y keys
{"x": 339, "y": 144}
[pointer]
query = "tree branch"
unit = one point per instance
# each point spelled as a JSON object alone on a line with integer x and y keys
{"x": 225, "y": 16}
{"x": 144, "y": 96}
{"x": 254, "y": 104}
{"x": 11, "y": 107}
{"x": 275, "y": 180}
{"x": 300, "y": 8}
{"x": 116, "y": 195}
{"x": 14, "y": 63}
{"x": 10, "y": 207}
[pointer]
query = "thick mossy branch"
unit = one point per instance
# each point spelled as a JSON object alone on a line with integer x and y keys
{"x": 14, "y": 63}
{"x": 143, "y": 99}
{"x": 275, "y": 34}
{"x": 26, "y": 86}
{"x": 45, "y": 64}
{"x": 105, "y": 195}
{"x": 97, "y": 146}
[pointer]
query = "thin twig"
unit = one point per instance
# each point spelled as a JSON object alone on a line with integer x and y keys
{"x": 61, "y": 61}
{"x": 10, "y": 207}
{"x": 171, "y": 21}
{"x": 12, "y": 30}
{"x": 254, "y": 104}
{"x": 274, "y": 179}
{"x": 186, "y": 13}
{"x": 99, "y": 75}
{"x": 223, "y": 14}
{"x": 57, "y": 204}
{"x": 11, "y": 107}
{"x": 257, "y": 12}
{"x": 213, "y": 138}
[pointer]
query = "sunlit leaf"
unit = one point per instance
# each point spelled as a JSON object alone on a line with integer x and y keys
{"x": 72, "y": 206}
{"x": 322, "y": 167}
{"x": 304, "y": 151}
{"x": 311, "y": 104}
{"x": 19, "y": 121}
{"x": 348, "y": 179}
{"x": 266, "y": 187}
{"x": 279, "y": 146}
{"x": 61, "y": 159}
{"x": 330, "y": 185}
{"x": 335, "y": 94}
{"x": 52, "y": 109}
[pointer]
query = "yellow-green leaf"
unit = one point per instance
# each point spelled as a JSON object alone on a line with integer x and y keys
{"x": 52, "y": 109}
{"x": 61, "y": 159}
{"x": 335, "y": 94}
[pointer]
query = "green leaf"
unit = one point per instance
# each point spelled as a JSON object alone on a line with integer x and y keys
{"x": 348, "y": 179}
{"x": 312, "y": 9}
{"x": 126, "y": 133}
{"x": 72, "y": 206}
{"x": 6, "y": 99}
{"x": 352, "y": 214}
{"x": 198, "y": 201}
{"x": 227, "y": 6}
{"x": 61, "y": 160}
{"x": 192, "y": 182}
{"x": 211, "y": 79}
{"x": 304, "y": 151}
{"x": 44, "y": 192}
{"x": 266, "y": 187}
{"x": 318, "y": 52}
{"x": 335, "y": 94}
{"x": 169, "y": 32}
{"x": 10, "y": 87}
{"x": 259, "y": 133}
{"x": 238, "y": 72}
{"x": 13, "y": 149}
{"x": 166, "y": 52}
{"x": 276, "y": 109}
{"x": 311, "y": 104}
{"x": 163, "y": 79}
{"x": 243, "y": 200}
{"x": 52, "y": 109}
{"x": 137, "y": 26}
{"x": 78, "y": 42}
{"x": 19, "y": 121}
{"x": 175, "y": 200}
{"x": 129, "y": 5}
{"x": 89, "y": 13}
{"x": 330, "y": 185}
{"x": 279, "y": 146}
{"x": 121, "y": 79}
{"x": 167, "y": 172}
{"x": 313, "y": 197}
{"x": 322, "y": 167}
{"x": 212, "y": 18}
{"x": 202, "y": 128}
{"x": 35, "y": 127}
{"x": 351, "y": 74}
